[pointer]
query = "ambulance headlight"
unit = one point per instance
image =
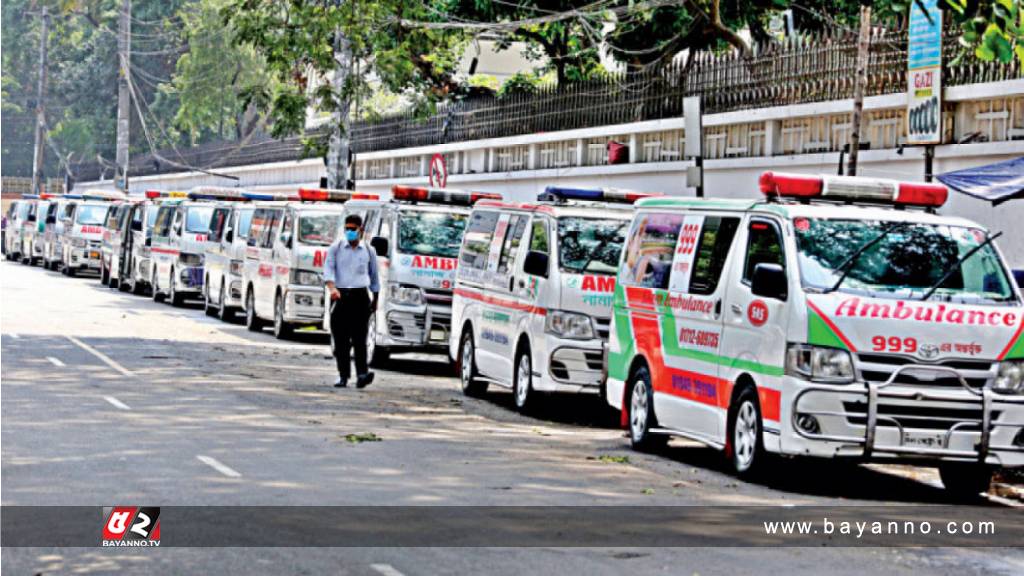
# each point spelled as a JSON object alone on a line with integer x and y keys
{"x": 569, "y": 325}
{"x": 79, "y": 242}
{"x": 1010, "y": 378}
{"x": 306, "y": 278}
{"x": 819, "y": 364}
{"x": 189, "y": 259}
{"x": 406, "y": 294}
{"x": 235, "y": 267}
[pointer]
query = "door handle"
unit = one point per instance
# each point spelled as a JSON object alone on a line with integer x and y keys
{"x": 736, "y": 309}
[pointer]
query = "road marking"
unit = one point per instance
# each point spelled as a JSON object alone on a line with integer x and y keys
{"x": 106, "y": 359}
{"x": 386, "y": 570}
{"x": 55, "y": 362}
{"x": 218, "y": 466}
{"x": 116, "y": 403}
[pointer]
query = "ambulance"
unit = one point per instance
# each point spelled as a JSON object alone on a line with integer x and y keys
{"x": 53, "y": 235}
{"x": 83, "y": 231}
{"x": 225, "y": 258}
{"x": 533, "y": 291}
{"x": 835, "y": 317}
{"x": 118, "y": 220}
{"x": 417, "y": 235}
{"x": 134, "y": 268}
{"x": 16, "y": 215}
{"x": 179, "y": 241}
{"x": 284, "y": 258}
{"x": 32, "y": 232}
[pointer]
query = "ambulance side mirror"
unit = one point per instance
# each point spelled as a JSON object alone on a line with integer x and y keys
{"x": 136, "y": 225}
{"x": 536, "y": 264}
{"x": 229, "y": 236}
{"x": 51, "y": 219}
{"x": 380, "y": 245}
{"x": 149, "y": 240}
{"x": 769, "y": 281}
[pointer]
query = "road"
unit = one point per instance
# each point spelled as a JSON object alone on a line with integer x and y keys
{"x": 109, "y": 398}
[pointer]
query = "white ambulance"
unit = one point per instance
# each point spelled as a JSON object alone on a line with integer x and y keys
{"x": 114, "y": 231}
{"x": 33, "y": 233}
{"x": 225, "y": 258}
{"x": 533, "y": 291}
{"x": 53, "y": 235}
{"x": 135, "y": 269}
{"x": 417, "y": 236}
{"x": 284, "y": 258}
{"x": 17, "y": 216}
{"x": 82, "y": 240}
{"x": 837, "y": 317}
{"x": 179, "y": 242}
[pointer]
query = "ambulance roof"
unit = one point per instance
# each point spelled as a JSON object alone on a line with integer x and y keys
{"x": 610, "y": 210}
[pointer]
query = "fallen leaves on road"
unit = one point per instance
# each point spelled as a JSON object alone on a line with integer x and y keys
{"x": 609, "y": 459}
{"x": 364, "y": 437}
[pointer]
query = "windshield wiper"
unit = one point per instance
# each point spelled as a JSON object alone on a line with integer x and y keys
{"x": 604, "y": 242}
{"x": 847, "y": 265}
{"x": 957, "y": 264}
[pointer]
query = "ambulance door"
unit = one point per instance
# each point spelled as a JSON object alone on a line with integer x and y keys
{"x": 695, "y": 396}
{"x": 251, "y": 259}
{"x": 283, "y": 254}
{"x": 478, "y": 248}
{"x": 754, "y": 339}
{"x": 534, "y": 288}
{"x": 509, "y": 314}
{"x": 160, "y": 250}
{"x": 264, "y": 280}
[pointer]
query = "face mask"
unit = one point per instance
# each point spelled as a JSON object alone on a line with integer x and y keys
{"x": 352, "y": 235}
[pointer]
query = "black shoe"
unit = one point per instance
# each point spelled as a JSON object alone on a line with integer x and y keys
{"x": 341, "y": 382}
{"x": 364, "y": 380}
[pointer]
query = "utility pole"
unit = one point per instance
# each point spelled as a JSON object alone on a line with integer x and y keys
{"x": 860, "y": 81}
{"x": 338, "y": 148}
{"x": 38, "y": 178}
{"x": 124, "y": 56}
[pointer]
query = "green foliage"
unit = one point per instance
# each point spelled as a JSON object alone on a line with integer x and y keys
{"x": 991, "y": 30}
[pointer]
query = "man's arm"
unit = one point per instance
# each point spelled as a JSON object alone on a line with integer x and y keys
{"x": 374, "y": 277}
{"x": 329, "y": 271}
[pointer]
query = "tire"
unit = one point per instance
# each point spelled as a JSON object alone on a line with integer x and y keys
{"x": 176, "y": 300}
{"x": 522, "y": 381}
{"x": 282, "y": 330}
{"x": 104, "y": 276}
{"x": 744, "y": 447}
{"x": 223, "y": 312}
{"x": 155, "y": 288}
{"x": 252, "y": 321}
{"x": 641, "y": 413}
{"x": 69, "y": 271}
{"x": 138, "y": 288}
{"x": 471, "y": 386}
{"x": 965, "y": 481}
{"x": 208, "y": 308}
{"x": 378, "y": 355}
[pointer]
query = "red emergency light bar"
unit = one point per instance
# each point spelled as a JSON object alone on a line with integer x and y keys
{"x": 853, "y": 188}
{"x": 154, "y": 194}
{"x": 440, "y": 195}
{"x": 323, "y": 195}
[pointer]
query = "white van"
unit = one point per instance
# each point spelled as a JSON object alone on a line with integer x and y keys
{"x": 284, "y": 259}
{"x": 135, "y": 270}
{"x": 82, "y": 240}
{"x": 18, "y": 221}
{"x": 33, "y": 233}
{"x": 837, "y": 317}
{"x": 533, "y": 291}
{"x": 417, "y": 236}
{"x": 114, "y": 231}
{"x": 225, "y": 259}
{"x": 53, "y": 235}
{"x": 178, "y": 244}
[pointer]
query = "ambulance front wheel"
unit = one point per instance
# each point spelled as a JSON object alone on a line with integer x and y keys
{"x": 744, "y": 447}
{"x": 252, "y": 321}
{"x": 282, "y": 329}
{"x": 522, "y": 387}
{"x": 378, "y": 355}
{"x": 641, "y": 413}
{"x": 965, "y": 481}
{"x": 467, "y": 367}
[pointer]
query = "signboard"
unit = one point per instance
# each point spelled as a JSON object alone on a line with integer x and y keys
{"x": 438, "y": 171}
{"x": 924, "y": 73}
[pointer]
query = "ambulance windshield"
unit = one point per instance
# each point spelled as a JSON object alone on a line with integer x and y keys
{"x": 590, "y": 244}
{"x": 902, "y": 263}
{"x": 197, "y": 220}
{"x": 91, "y": 214}
{"x": 426, "y": 233}
{"x": 318, "y": 229}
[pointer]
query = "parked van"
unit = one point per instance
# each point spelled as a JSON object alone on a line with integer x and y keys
{"x": 533, "y": 291}
{"x": 17, "y": 220}
{"x": 417, "y": 235}
{"x": 53, "y": 235}
{"x": 836, "y": 317}
{"x": 135, "y": 269}
{"x": 33, "y": 233}
{"x": 83, "y": 232}
{"x": 225, "y": 258}
{"x": 284, "y": 259}
{"x": 178, "y": 244}
{"x": 114, "y": 231}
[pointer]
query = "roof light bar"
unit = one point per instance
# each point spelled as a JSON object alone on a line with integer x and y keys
{"x": 325, "y": 195}
{"x": 565, "y": 193}
{"x": 853, "y": 188}
{"x": 440, "y": 195}
{"x": 104, "y": 195}
{"x": 30, "y": 196}
{"x": 154, "y": 194}
{"x": 216, "y": 193}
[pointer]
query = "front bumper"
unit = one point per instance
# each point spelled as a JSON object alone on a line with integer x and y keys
{"x": 424, "y": 327}
{"x": 85, "y": 258}
{"x": 302, "y": 304}
{"x": 233, "y": 292}
{"x": 887, "y": 420}
{"x": 572, "y": 366}
{"x": 189, "y": 280}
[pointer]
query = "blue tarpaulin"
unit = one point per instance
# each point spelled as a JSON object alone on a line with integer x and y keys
{"x": 996, "y": 183}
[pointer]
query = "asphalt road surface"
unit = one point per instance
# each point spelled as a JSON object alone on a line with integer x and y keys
{"x": 109, "y": 399}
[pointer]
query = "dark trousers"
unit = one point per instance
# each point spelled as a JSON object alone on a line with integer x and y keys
{"x": 349, "y": 319}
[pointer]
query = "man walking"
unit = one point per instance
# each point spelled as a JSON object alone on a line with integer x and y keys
{"x": 350, "y": 269}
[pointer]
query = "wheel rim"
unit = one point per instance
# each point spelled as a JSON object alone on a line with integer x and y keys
{"x": 638, "y": 411}
{"x": 221, "y": 309}
{"x": 745, "y": 435}
{"x": 523, "y": 374}
{"x": 371, "y": 337}
{"x": 278, "y": 315}
{"x": 250, "y": 312}
{"x": 467, "y": 361}
{"x": 170, "y": 289}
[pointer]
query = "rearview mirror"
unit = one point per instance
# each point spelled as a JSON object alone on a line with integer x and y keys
{"x": 769, "y": 281}
{"x": 149, "y": 241}
{"x": 380, "y": 244}
{"x": 229, "y": 236}
{"x": 31, "y": 218}
{"x": 51, "y": 219}
{"x": 536, "y": 264}
{"x": 136, "y": 225}
{"x": 288, "y": 242}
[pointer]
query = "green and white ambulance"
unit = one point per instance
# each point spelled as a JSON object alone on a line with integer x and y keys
{"x": 835, "y": 317}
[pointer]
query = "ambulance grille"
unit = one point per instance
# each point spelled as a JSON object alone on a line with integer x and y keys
{"x": 602, "y": 325}
{"x": 920, "y": 417}
{"x": 435, "y": 296}
{"x": 877, "y": 368}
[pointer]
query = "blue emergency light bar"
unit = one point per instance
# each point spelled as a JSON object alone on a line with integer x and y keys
{"x": 268, "y": 196}
{"x": 30, "y": 196}
{"x": 564, "y": 193}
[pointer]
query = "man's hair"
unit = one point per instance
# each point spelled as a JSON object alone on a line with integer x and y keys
{"x": 354, "y": 219}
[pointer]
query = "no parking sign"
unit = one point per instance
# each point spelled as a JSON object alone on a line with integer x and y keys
{"x": 438, "y": 171}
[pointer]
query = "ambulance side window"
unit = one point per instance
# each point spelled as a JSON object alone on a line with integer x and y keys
{"x": 764, "y": 246}
{"x": 539, "y": 237}
{"x": 647, "y": 261}
{"x": 163, "y": 222}
{"x": 516, "y": 227}
{"x": 217, "y": 221}
{"x": 256, "y": 227}
{"x": 476, "y": 245}
{"x": 137, "y": 216}
{"x": 112, "y": 218}
{"x": 712, "y": 250}
{"x": 270, "y": 226}
{"x": 286, "y": 229}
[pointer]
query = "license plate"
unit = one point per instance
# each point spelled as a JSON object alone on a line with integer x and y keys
{"x": 94, "y": 255}
{"x": 924, "y": 439}
{"x": 436, "y": 334}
